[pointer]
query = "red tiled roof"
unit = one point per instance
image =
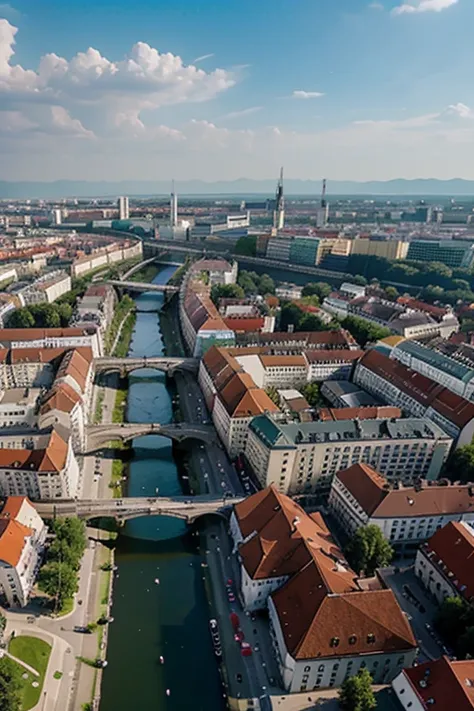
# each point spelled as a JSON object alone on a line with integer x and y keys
{"x": 449, "y": 684}
{"x": 50, "y": 459}
{"x": 244, "y": 324}
{"x": 344, "y": 355}
{"x": 454, "y": 546}
{"x": 366, "y": 485}
{"x": 12, "y": 540}
{"x": 359, "y": 413}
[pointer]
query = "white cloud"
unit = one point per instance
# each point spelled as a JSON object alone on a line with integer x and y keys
{"x": 243, "y": 112}
{"x": 203, "y": 57}
{"x": 299, "y": 94}
{"x": 98, "y": 94}
{"x": 415, "y": 6}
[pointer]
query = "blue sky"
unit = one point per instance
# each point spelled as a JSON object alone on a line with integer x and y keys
{"x": 349, "y": 89}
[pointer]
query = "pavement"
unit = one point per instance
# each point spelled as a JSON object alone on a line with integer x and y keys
{"x": 396, "y": 579}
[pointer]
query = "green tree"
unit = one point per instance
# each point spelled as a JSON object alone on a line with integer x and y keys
{"x": 311, "y": 322}
{"x": 290, "y": 315}
{"x": 272, "y": 393}
{"x": 247, "y": 283}
{"x": 312, "y": 393}
{"x": 46, "y": 315}
{"x": 465, "y": 647}
{"x": 247, "y": 246}
{"x": 467, "y": 325}
{"x": 61, "y": 552}
{"x": 10, "y": 685}
{"x": 356, "y": 693}
{"x": 368, "y": 550}
{"x": 391, "y": 293}
{"x": 59, "y": 581}
{"x": 450, "y": 618}
{"x": 266, "y": 285}
{"x": 460, "y": 465}
{"x": 73, "y": 532}
{"x": 65, "y": 313}
{"x": 21, "y": 318}
{"x": 364, "y": 331}
{"x": 359, "y": 279}
{"x": 320, "y": 289}
{"x": 226, "y": 291}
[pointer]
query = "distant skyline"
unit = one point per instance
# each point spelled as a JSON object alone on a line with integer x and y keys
{"x": 106, "y": 90}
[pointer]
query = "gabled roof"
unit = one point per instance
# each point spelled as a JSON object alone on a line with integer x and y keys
{"x": 61, "y": 397}
{"x": 366, "y": 485}
{"x": 12, "y": 540}
{"x": 450, "y": 684}
{"x": 50, "y": 459}
{"x": 453, "y": 545}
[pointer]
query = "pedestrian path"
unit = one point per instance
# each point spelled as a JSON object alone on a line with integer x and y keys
{"x": 21, "y": 663}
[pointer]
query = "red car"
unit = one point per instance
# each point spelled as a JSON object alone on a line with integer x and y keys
{"x": 239, "y": 636}
{"x": 234, "y": 619}
{"x": 246, "y": 649}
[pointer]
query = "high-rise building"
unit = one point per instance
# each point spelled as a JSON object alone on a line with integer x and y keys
{"x": 57, "y": 216}
{"x": 279, "y": 211}
{"x": 453, "y": 253}
{"x": 173, "y": 208}
{"x": 124, "y": 212}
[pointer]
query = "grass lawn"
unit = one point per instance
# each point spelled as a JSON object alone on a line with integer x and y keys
{"x": 35, "y": 652}
{"x": 67, "y": 607}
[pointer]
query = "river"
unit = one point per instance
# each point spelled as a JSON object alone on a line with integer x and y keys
{"x": 169, "y": 619}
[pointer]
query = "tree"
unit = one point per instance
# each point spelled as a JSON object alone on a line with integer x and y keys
{"x": 58, "y": 580}
{"x": 359, "y": 280}
{"x": 450, "y": 618}
{"x": 290, "y": 315}
{"x": 46, "y": 315}
{"x": 10, "y": 685}
{"x": 320, "y": 289}
{"x": 311, "y": 322}
{"x": 21, "y": 318}
{"x": 61, "y": 552}
{"x": 226, "y": 291}
{"x": 465, "y": 647}
{"x": 368, "y": 550}
{"x": 460, "y": 466}
{"x": 312, "y": 393}
{"x": 391, "y": 293}
{"x": 247, "y": 246}
{"x": 65, "y": 313}
{"x": 73, "y": 532}
{"x": 266, "y": 285}
{"x": 364, "y": 331}
{"x": 467, "y": 325}
{"x": 247, "y": 283}
{"x": 356, "y": 693}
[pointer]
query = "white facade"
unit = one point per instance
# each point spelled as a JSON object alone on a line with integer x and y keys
{"x": 432, "y": 577}
{"x": 89, "y": 337}
{"x": 17, "y": 576}
{"x": 337, "y": 367}
{"x": 406, "y": 694}
{"x": 328, "y": 672}
{"x": 73, "y": 422}
{"x": 18, "y": 408}
{"x": 124, "y": 212}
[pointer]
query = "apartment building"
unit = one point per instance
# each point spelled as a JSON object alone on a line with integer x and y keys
{"x": 19, "y": 407}
{"x": 406, "y": 515}
{"x": 22, "y": 538}
{"x": 394, "y": 383}
{"x": 455, "y": 375}
{"x": 47, "y": 288}
{"x": 453, "y": 253}
{"x": 14, "y": 338}
{"x": 96, "y": 308}
{"x": 335, "y": 414}
{"x": 232, "y": 397}
{"x": 302, "y": 458}
{"x": 48, "y": 473}
{"x": 444, "y": 565}
{"x": 118, "y": 252}
{"x": 439, "y": 683}
{"x": 325, "y": 623}
{"x": 283, "y": 343}
{"x": 331, "y": 365}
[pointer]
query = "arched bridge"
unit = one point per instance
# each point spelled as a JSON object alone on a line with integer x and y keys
{"x": 139, "y": 287}
{"x": 108, "y": 364}
{"x": 98, "y": 435}
{"x": 187, "y": 508}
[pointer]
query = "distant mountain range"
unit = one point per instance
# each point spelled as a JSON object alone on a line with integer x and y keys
{"x": 240, "y": 187}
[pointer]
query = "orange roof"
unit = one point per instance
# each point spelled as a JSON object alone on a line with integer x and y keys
{"x": 280, "y": 361}
{"x": 361, "y": 413}
{"x": 453, "y": 545}
{"x": 33, "y": 334}
{"x": 244, "y": 324}
{"x": 35, "y": 355}
{"x": 62, "y": 397}
{"x": 12, "y": 506}
{"x": 12, "y": 540}
{"x": 50, "y": 459}
{"x": 77, "y": 366}
{"x": 450, "y": 684}
{"x": 366, "y": 485}
{"x": 214, "y": 324}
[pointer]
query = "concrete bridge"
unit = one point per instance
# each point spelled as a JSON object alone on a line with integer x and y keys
{"x": 109, "y": 364}
{"x": 140, "y": 287}
{"x": 98, "y": 435}
{"x": 187, "y": 508}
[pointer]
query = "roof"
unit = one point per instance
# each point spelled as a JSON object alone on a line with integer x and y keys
{"x": 283, "y": 361}
{"x": 12, "y": 506}
{"x": 422, "y": 389}
{"x": 244, "y": 324}
{"x": 315, "y": 624}
{"x": 360, "y": 413}
{"x": 242, "y": 398}
{"x": 34, "y": 334}
{"x": 12, "y": 540}
{"x": 366, "y": 485}
{"x": 76, "y": 364}
{"x": 340, "y": 355}
{"x": 435, "y": 311}
{"x": 61, "y": 397}
{"x": 50, "y": 459}
{"x": 450, "y": 684}
{"x": 436, "y": 359}
{"x": 452, "y": 549}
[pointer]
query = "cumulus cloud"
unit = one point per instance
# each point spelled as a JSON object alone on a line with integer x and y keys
{"x": 423, "y": 6}
{"x": 299, "y": 94}
{"x": 98, "y": 94}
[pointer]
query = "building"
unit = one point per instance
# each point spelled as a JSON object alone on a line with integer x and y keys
{"x": 288, "y": 291}
{"x": 341, "y": 393}
{"x": 302, "y": 458}
{"x": 19, "y": 407}
{"x": 295, "y": 405}
{"x": 325, "y": 623}
{"x": 331, "y": 365}
{"x": 453, "y": 253}
{"x": 441, "y": 684}
{"x": 39, "y": 338}
{"x": 48, "y": 472}
{"x": 22, "y": 538}
{"x": 406, "y": 515}
{"x": 453, "y": 374}
{"x": 284, "y": 343}
{"x": 124, "y": 212}
{"x": 394, "y": 383}
{"x": 385, "y": 249}
{"x": 382, "y": 412}
{"x": 47, "y": 288}
{"x": 444, "y": 565}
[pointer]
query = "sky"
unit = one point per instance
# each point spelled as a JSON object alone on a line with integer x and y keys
{"x": 224, "y": 89}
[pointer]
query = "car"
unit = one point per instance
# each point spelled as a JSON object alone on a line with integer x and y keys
{"x": 230, "y": 581}
{"x": 231, "y": 597}
{"x": 239, "y": 678}
{"x": 245, "y": 649}
{"x": 239, "y": 636}
{"x": 83, "y": 630}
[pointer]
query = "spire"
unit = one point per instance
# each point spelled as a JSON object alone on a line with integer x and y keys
{"x": 173, "y": 207}
{"x": 279, "y": 212}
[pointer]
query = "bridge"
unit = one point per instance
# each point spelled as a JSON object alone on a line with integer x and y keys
{"x": 109, "y": 364}
{"x": 159, "y": 259}
{"x": 141, "y": 287}
{"x": 98, "y": 435}
{"x": 187, "y": 508}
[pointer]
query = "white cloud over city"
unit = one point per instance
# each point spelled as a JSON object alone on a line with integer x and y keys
{"x": 417, "y": 6}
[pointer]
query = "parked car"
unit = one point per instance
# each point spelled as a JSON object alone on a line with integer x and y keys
{"x": 246, "y": 649}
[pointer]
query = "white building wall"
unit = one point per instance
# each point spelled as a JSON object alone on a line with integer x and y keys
{"x": 406, "y": 695}
{"x": 253, "y": 366}
{"x": 432, "y": 579}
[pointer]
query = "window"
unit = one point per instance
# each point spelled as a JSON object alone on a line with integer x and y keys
{"x": 321, "y": 668}
{"x": 370, "y": 639}
{"x": 334, "y": 642}
{"x": 307, "y": 669}
{"x": 352, "y": 639}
